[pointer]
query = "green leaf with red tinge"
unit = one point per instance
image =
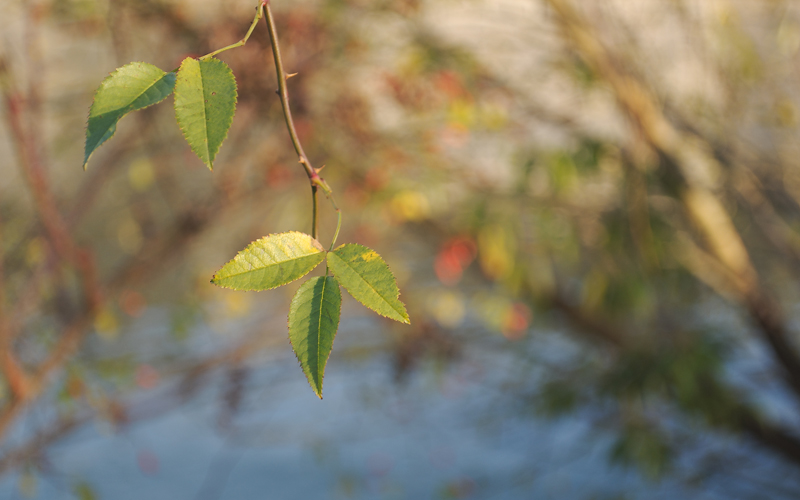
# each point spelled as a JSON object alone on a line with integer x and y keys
{"x": 365, "y": 275}
{"x": 313, "y": 321}
{"x": 205, "y": 102}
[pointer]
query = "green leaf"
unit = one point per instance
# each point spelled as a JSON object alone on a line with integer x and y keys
{"x": 313, "y": 321}
{"x": 364, "y": 274}
{"x": 131, "y": 87}
{"x": 205, "y": 101}
{"x": 270, "y": 262}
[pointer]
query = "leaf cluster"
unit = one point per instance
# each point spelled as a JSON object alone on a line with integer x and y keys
{"x": 205, "y": 102}
{"x": 278, "y": 259}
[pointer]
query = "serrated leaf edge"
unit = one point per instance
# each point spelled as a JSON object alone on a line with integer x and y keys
{"x": 317, "y": 244}
{"x": 288, "y": 324}
{"x": 94, "y": 96}
{"x": 403, "y": 313}
{"x": 210, "y": 163}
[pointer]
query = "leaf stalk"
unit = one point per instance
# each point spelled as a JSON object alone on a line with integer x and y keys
{"x": 240, "y": 43}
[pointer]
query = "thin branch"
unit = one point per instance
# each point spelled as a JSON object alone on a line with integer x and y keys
{"x": 283, "y": 91}
{"x": 241, "y": 42}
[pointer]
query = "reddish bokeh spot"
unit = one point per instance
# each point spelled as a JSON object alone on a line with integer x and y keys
{"x": 366, "y": 235}
{"x": 147, "y": 377}
{"x": 516, "y": 321}
{"x": 132, "y": 303}
{"x": 449, "y": 83}
{"x": 148, "y": 462}
{"x": 278, "y": 175}
{"x": 355, "y": 195}
{"x": 75, "y": 387}
{"x": 455, "y": 255}
{"x": 376, "y": 179}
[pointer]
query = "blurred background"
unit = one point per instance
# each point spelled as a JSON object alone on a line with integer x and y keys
{"x": 592, "y": 209}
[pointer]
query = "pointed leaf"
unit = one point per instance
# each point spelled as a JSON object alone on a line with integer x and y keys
{"x": 364, "y": 274}
{"x": 131, "y": 87}
{"x": 205, "y": 101}
{"x": 270, "y": 262}
{"x": 313, "y": 321}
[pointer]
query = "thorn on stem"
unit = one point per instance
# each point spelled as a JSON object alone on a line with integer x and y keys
{"x": 291, "y": 75}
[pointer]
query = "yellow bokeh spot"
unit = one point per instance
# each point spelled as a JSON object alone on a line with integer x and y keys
{"x": 237, "y": 304}
{"x": 106, "y": 324}
{"x": 462, "y": 113}
{"x": 35, "y": 252}
{"x": 129, "y": 236}
{"x": 496, "y": 251}
{"x": 141, "y": 174}
{"x": 410, "y": 206}
{"x": 27, "y": 484}
{"x": 449, "y": 309}
{"x": 494, "y": 117}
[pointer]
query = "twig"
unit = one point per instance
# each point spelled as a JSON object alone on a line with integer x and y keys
{"x": 312, "y": 173}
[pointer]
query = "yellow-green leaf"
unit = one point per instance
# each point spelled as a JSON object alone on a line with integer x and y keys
{"x": 364, "y": 274}
{"x": 205, "y": 102}
{"x": 313, "y": 321}
{"x": 131, "y": 87}
{"x": 270, "y": 262}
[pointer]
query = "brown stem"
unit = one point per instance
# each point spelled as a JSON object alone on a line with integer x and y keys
{"x": 283, "y": 92}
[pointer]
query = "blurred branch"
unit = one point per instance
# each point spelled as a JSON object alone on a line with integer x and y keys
{"x": 25, "y": 387}
{"x": 135, "y": 410}
{"x": 769, "y": 222}
{"x": 583, "y": 321}
{"x": 34, "y": 173}
{"x": 744, "y": 418}
{"x": 15, "y": 376}
{"x": 700, "y": 172}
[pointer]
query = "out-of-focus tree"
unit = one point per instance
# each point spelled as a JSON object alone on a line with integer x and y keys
{"x": 623, "y": 171}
